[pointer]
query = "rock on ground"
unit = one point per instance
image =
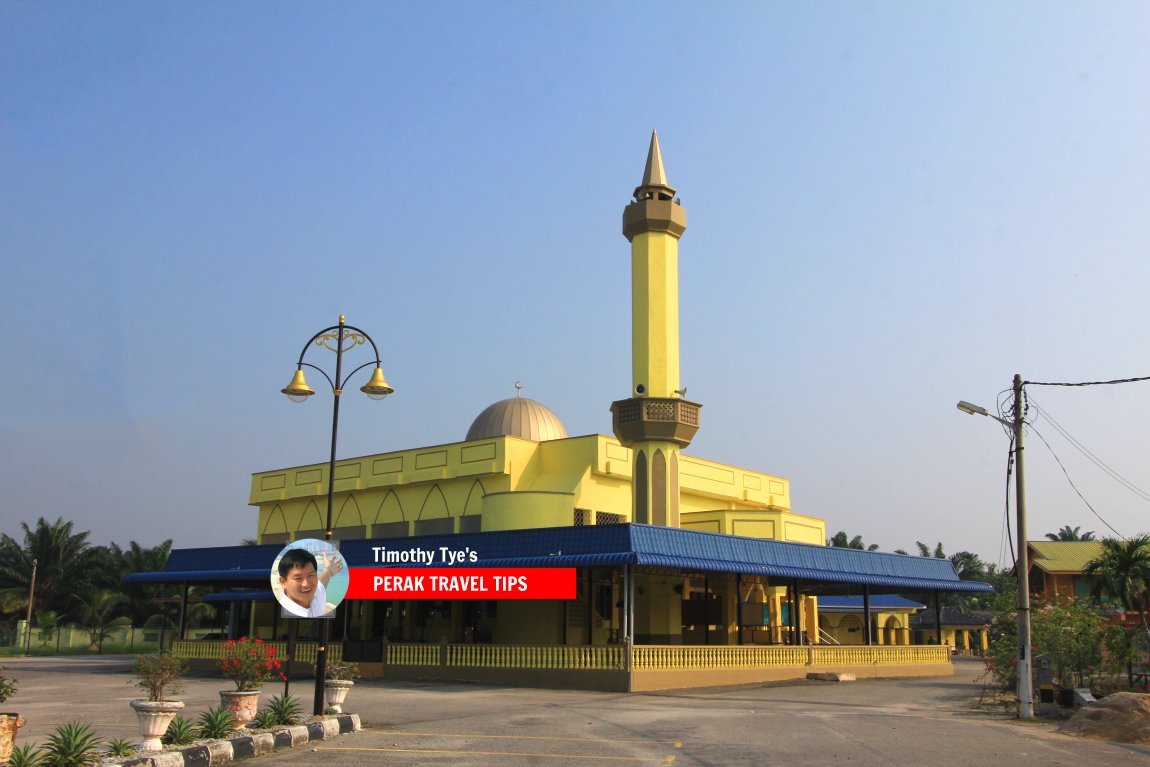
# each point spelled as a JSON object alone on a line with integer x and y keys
{"x": 1122, "y": 717}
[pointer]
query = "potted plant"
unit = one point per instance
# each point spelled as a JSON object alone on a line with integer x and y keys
{"x": 341, "y": 676}
{"x": 10, "y": 723}
{"x": 157, "y": 675}
{"x": 249, "y": 663}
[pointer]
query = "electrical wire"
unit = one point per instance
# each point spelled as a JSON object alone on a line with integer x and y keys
{"x": 1006, "y": 510}
{"x": 1075, "y": 487}
{"x": 1092, "y": 457}
{"x": 1005, "y": 404}
{"x": 1088, "y": 383}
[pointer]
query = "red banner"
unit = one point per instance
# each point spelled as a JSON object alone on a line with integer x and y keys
{"x": 461, "y": 583}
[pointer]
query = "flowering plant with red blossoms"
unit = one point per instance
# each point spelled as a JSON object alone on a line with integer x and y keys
{"x": 249, "y": 663}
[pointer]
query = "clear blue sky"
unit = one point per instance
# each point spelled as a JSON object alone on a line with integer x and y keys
{"x": 892, "y": 206}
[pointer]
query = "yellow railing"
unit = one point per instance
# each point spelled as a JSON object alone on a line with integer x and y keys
{"x": 847, "y": 655}
{"x": 579, "y": 657}
{"x": 612, "y": 657}
{"x": 212, "y": 649}
{"x": 728, "y": 656}
{"x": 413, "y": 655}
{"x": 658, "y": 657}
{"x": 725, "y": 656}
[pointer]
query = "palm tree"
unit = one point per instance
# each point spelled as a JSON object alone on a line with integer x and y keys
{"x": 925, "y": 551}
{"x": 65, "y": 564}
{"x": 142, "y": 599}
{"x": 1070, "y": 534}
{"x": 969, "y": 566}
{"x": 840, "y": 540}
{"x": 96, "y": 612}
{"x": 1124, "y": 570}
{"x": 49, "y": 622}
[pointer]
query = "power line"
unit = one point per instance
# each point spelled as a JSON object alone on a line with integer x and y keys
{"x": 1075, "y": 487}
{"x": 1006, "y": 509}
{"x": 1092, "y": 457}
{"x": 1088, "y": 383}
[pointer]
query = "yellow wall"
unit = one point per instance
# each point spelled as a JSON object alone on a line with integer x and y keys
{"x": 512, "y": 484}
{"x": 658, "y": 609}
{"x": 779, "y": 525}
{"x": 888, "y": 628}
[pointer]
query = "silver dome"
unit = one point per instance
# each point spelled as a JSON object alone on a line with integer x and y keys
{"x": 517, "y": 417}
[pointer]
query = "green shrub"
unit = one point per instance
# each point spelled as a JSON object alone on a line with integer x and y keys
{"x": 284, "y": 710}
{"x": 7, "y": 686}
{"x": 347, "y": 671}
{"x": 263, "y": 720}
{"x": 72, "y": 745}
{"x": 218, "y": 722}
{"x": 159, "y": 674}
{"x": 120, "y": 747}
{"x": 1081, "y": 646}
{"x": 29, "y": 755}
{"x": 180, "y": 732}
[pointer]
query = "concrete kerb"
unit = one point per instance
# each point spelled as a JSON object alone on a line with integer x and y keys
{"x": 244, "y": 746}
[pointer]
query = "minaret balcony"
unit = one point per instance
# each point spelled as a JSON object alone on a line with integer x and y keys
{"x": 661, "y": 419}
{"x": 654, "y": 215}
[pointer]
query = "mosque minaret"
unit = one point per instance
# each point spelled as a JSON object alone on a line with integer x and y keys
{"x": 656, "y": 422}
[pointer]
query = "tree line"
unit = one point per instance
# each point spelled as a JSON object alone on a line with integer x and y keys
{"x": 82, "y": 584}
{"x": 968, "y": 565}
{"x": 1121, "y": 571}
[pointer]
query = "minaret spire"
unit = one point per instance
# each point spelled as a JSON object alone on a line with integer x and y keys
{"x": 656, "y": 422}
{"x": 654, "y": 184}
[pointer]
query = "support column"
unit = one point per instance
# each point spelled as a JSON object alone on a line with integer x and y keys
{"x": 628, "y": 605}
{"x": 739, "y": 605}
{"x": 938, "y": 617}
{"x": 811, "y": 611}
{"x": 184, "y": 612}
{"x": 775, "y": 610}
{"x": 796, "y": 637}
{"x": 868, "y": 635}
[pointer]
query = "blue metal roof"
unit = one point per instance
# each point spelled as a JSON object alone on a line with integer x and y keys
{"x": 241, "y": 596}
{"x": 218, "y": 564}
{"x": 635, "y": 544}
{"x": 837, "y": 604}
{"x": 604, "y": 546}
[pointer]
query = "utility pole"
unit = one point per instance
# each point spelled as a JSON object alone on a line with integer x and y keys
{"x": 28, "y": 615}
{"x": 1025, "y": 683}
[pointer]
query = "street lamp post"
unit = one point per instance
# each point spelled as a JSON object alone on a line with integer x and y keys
{"x": 1025, "y": 684}
{"x": 339, "y": 339}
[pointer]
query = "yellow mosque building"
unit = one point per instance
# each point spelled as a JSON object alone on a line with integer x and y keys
{"x": 518, "y": 468}
{"x": 689, "y": 571}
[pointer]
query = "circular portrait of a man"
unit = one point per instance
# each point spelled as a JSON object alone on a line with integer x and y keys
{"x": 309, "y": 578}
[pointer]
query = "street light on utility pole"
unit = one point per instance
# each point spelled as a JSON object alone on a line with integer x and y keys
{"x": 1025, "y": 683}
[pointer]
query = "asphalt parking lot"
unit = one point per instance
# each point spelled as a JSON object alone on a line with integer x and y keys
{"x": 869, "y": 722}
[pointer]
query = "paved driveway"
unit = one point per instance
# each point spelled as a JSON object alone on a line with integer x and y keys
{"x": 870, "y": 722}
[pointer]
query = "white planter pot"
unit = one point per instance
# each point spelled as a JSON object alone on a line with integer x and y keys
{"x": 154, "y": 717}
{"x": 334, "y": 691}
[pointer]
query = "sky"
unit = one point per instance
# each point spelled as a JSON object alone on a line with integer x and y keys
{"x": 891, "y": 206}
